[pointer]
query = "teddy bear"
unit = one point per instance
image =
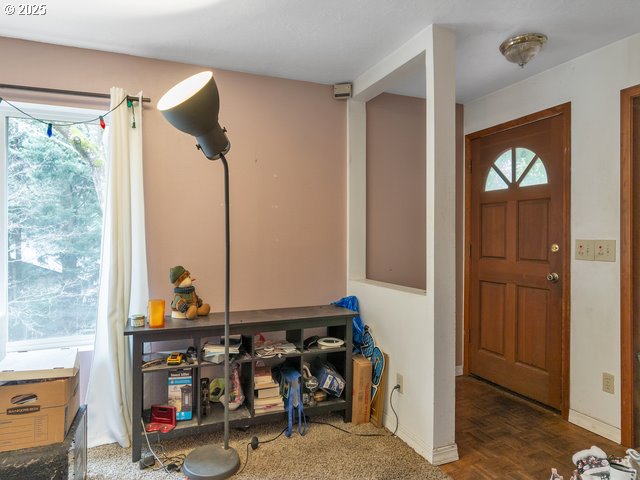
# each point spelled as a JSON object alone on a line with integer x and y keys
{"x": 185, "y": 303}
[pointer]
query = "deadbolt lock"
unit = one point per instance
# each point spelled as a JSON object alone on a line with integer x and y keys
{"x": 555, "y": 248}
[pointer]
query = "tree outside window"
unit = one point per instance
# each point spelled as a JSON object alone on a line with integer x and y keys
{"x": 55, "y": 190}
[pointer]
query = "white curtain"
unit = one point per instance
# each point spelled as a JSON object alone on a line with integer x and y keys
{"x": 123, "y": 278}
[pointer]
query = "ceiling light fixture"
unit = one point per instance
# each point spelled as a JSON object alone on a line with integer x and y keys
{"x": 522, "y": 48}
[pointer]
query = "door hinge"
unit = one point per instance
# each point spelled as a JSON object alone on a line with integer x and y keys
{"x": 469, "y": 249}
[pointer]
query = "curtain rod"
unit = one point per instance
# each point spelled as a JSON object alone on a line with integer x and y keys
{"x": 69, "y": 92}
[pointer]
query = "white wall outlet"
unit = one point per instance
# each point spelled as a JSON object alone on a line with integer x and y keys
{"x": 608, "y": 383}
{"x": 605, "y": 250}
{"x": 584, "y": 249}
{"x": 400, "y": 381}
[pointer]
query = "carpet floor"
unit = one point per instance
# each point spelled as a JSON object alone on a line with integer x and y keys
{"x": 324, "y": 452}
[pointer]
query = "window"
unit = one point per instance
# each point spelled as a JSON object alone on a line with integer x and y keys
{"x": 516, "y": 165}
{"x": 52, "y": 203}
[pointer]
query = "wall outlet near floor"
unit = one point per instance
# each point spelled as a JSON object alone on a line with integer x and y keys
{"x": 608, "y": 381}
{"x": 400, "y": 381}
{"x": 605, "y": 250}
{"x": 584, "y": 249}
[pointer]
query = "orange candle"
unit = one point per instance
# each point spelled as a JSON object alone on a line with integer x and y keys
{"x": 156, "y": 313}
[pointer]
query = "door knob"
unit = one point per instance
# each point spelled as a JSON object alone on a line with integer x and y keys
{"x": 553, "y": 277}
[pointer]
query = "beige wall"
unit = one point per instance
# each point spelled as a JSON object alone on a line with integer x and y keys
{"x": 287, "y": 168}
{"x": 396, "y": 182}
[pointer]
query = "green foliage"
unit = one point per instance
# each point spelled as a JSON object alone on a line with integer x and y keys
{"x": 55, "y": 201}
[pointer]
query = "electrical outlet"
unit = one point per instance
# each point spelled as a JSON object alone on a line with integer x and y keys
{"x": 399, "y": 381}
{"x": 605, "y": 250}
{"x": 584, "y": 249}
{"x": 608, "y": 381}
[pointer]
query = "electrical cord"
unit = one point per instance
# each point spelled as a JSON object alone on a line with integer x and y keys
{"x": 397, "y": 387}
{"x": 167, "y": 463}
{"x": 395, "y": 430}
{"x": 254, "y": 444}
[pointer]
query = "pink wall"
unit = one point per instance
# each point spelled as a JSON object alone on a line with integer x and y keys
{"x": 287, "y": 167}
{"x": 396, "y": 195}
{"x": 396, "y": 223}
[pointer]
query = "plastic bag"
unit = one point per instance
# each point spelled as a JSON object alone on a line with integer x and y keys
{"x": 351, "y": 303}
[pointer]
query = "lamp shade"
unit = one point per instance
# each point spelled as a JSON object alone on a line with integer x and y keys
{"x": 192, "y": 106}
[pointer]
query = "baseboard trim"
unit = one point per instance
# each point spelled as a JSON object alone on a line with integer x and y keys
{"x": 459, "y": 370}
{"x": 594, "y": 425}
{"x": 446, "y": 454}
{"x": 435, "y": 456}
{"x": 389, "y": 421}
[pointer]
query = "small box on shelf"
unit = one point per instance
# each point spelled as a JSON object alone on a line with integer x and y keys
{"x": 181, "y": 392}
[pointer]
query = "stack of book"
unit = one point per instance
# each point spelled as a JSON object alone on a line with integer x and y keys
{"x": 267, "y": 398}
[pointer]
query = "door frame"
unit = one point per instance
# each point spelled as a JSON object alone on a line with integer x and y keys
{"x": 627, "y": 284}
{"x": 565, "y": 111}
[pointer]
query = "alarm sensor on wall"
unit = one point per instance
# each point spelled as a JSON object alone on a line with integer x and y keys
{"x": 341, "y": 91}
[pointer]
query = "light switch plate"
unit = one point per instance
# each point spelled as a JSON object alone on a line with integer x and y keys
{"x": 604, "y": 250}
{"x": 584, "y": 249}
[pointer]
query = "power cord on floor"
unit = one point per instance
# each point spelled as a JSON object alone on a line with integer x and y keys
{"x": 255, "y": 443}
{"x": 167, "y": 463}
{"x": 397, "y": 387}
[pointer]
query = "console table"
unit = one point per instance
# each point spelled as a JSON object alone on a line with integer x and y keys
{"x": 291, "y": 321}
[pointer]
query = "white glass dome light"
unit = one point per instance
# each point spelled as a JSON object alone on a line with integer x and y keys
{"x": 522, "y": 48}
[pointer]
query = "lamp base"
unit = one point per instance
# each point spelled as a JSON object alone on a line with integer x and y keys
{"x": 211, "y": 462}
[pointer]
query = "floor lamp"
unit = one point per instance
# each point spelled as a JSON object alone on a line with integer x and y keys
{"x": 192, "y": 106}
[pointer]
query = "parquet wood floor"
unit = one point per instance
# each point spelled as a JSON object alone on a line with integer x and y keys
{"x": 501, "y": 436}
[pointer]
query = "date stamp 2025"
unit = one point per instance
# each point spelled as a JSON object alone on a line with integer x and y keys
{"x": 25, "y": 9}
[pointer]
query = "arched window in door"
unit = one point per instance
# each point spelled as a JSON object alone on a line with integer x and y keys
{"x": 519, "y": 166}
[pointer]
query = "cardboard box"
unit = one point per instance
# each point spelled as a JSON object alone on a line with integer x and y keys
{"x": 181, "y": 392}
{"x": 36, "y": 413}
{"x": 361, "y": 398}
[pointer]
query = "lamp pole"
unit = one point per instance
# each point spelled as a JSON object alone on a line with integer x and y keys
{"x": 227, "y": 276}
{"x": 192, "y": 106}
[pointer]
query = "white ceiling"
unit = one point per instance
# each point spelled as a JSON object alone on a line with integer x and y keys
{"x": 330, "y": 41}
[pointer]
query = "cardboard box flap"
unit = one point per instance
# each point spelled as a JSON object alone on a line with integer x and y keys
{"x": 40, "y": 364}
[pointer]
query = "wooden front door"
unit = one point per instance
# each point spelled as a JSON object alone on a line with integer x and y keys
{"x": 518, "y": 254}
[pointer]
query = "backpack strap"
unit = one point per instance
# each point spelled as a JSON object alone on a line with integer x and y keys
{"x": 292, "y": 394}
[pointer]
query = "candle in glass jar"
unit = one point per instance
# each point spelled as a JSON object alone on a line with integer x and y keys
{"x": 156, "y": 313}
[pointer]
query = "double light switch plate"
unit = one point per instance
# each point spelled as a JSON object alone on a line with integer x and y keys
{"x": 596, "y": 250}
